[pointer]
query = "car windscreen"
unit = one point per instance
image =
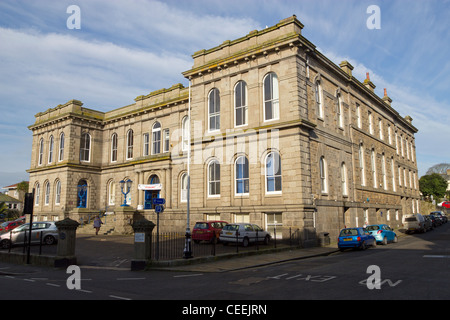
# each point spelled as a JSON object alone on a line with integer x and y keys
{"x": 372, "y": 228}
{"x": 201, "y": 225}
{"x": 231, "y": 227}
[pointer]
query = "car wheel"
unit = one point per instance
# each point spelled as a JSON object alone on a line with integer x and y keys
{"x": 384, "y": 242}
{"x": 266, "y": 240}
{"x": 49, "y": 240}
{"x": 245, "y": 242}
{"x": 5, "y": 244}
{"x": 363, "y": 246}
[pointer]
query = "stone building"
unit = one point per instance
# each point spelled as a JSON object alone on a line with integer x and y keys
{"x": 278, "y": 135}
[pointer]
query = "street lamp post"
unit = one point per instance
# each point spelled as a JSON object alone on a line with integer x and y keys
{"x": 187, "y": 253}
{"x": 126, "y": 184}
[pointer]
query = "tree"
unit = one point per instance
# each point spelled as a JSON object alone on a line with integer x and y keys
{"x": 23, "y": 186}
{"x": 433, "y": 184}
{"x": 3, "y": 208}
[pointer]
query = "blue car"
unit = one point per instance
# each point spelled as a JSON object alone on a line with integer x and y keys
{"x": 382, "y": 233}
{"x": 355, "y": 238}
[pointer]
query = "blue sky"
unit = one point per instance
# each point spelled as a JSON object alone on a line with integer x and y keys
{"x": 129, "y": 48}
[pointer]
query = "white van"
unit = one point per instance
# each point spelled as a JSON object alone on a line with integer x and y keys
{"x": 413, "y": 223}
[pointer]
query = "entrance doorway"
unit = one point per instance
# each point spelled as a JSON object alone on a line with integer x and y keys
{"x": 148, "y": 198}
{"x": 155, "y": 192}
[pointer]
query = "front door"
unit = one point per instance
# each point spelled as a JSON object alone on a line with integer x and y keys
{"x": 148, "y": 198}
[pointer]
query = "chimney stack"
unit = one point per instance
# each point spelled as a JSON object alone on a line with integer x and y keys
{"x": 369, "y": 84}
{"x": 386, "y": 98}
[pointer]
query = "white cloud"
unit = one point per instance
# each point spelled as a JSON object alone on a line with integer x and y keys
{"x": 122, "y": 51}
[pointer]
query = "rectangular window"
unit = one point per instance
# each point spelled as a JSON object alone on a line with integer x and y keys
{"x": 114, "y": 148}
{"x": 370, "y": 123}
{"x": 166, "y": 137}
{"x": 274, "y": 224}
{"x": 85, "y": 147}
{"x": 358, "y": 116}
{"x": 146, "y": 144}
{"x": 240, "y": 102}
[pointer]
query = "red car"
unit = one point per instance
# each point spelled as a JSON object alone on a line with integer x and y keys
{"x": 445, "y": 204}
{"x": 9, "y": 225}
{"x": 207, "y": 231}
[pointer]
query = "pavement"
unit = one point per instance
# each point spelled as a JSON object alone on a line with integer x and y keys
{"x": 228, "y": 263}
{"x": 115, "y": 252}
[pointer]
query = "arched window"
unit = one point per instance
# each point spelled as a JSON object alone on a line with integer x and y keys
{"x": 41, "y": 151}
{"x": 58, "y": 192}
{"x": 37, "y": 194}
{"x": 394, "y": 188}
{"x": 61, "y": 147}
{"x": 156, "y": 138}
{"x": 344, "y": 179}
{"x": 271, "y": 97}
{"x": 114, "y": 147}
{"x": 50, "y": 149}
{"x": 242, "y": 175}
{"x": 214, "y": 178}
{"x": 373, "y": 167}
{"x": 273, "y": 173}
{"x": 318, "y": 98}
{"x": 340, "y": 111}
{"x": 383, "y": 171}
{"x": 323, "y": 175}
{"x": 240, "y": 104}
{"x": 85, "y": 147}
{"x": 111, "y": 193}
{"x": 47, "y": 193}
{"x": 130, "y": 142}
{"x": 361, "y": 164}
{"x": 154, "y": 179}
{"x": 214, "y": 109}
{"x": 82, "y": 194}
{"x": 184, "y": 187}
{"x": 185, "y": 132}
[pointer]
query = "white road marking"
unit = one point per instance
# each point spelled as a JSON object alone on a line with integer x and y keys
{"x": 189, "y": 275}
{"x": 435, "y": 256}
{"x": 117, "y": 297}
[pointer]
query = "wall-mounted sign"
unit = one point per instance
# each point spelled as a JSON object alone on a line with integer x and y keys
{"x": 156, "y": 186}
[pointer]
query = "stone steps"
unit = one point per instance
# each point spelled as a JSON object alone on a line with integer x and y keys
{"x": 89, "y": 229}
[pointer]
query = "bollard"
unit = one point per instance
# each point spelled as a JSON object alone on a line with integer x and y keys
{"x": 65, "y": 251}
{"x": 142, "y": 244}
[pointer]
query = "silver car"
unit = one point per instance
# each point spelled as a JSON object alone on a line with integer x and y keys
{"x": 244, "y": 233}
{"x": 46, "y": 230}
